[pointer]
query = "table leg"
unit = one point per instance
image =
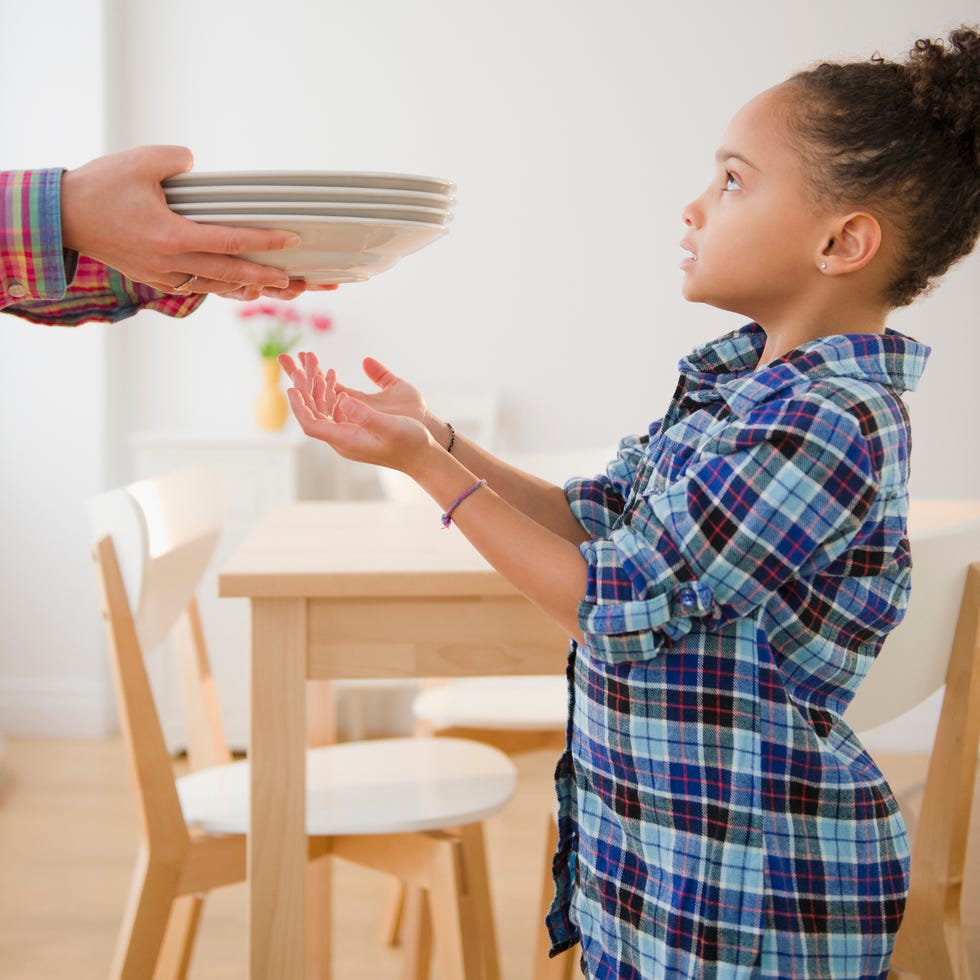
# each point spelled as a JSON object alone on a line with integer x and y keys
{"x": 277, "y": 846}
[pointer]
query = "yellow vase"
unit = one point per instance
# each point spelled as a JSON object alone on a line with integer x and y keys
{"x": 271, "y": 407}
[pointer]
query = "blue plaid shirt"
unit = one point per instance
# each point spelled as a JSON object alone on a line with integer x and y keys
{"x": 717, "y": 817}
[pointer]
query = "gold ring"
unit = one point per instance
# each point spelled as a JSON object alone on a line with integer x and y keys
{"x": 185, "y": 285}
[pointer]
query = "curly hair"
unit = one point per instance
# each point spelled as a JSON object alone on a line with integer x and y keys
{"x": 902, "y": 139}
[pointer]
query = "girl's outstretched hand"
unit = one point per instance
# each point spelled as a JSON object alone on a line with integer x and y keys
{"x": 394, "y": 396}
{"x": 344, "y": 420}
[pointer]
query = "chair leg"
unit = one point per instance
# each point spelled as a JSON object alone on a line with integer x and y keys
{"x": 178, "y": 943}
{"x": 417, "y": 955}
{"x": 930, "y": 944}
{"x": 391, "y": 915}
{"x": 558, "y": 967}
{"x": 151, "y": 897}
{"x": 319, "y": 921}
{"x": 475, "y": 866}
{"x": 458, "y": 955}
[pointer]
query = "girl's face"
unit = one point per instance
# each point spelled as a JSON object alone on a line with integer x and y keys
{"x": 754, "y": 236}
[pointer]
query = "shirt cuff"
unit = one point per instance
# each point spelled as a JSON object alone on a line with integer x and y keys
{"x": 135, "y": 296}
{"x": 619, "y": 630}
{"x": 33, "y": 263}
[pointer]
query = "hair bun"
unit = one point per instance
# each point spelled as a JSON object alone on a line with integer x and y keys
{"x": 945, "y": 80}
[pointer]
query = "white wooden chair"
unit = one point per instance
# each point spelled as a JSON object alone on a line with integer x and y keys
{"x": 937, "y": 643}
{"x": 515, "y": 715}
{"x": 408, "y": 807}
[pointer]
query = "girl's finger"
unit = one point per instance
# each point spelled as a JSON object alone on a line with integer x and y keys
{"x": 378, "y": 373}
{"x": 304, "y": 385}
{"x": 330, "y": 390}
{"x": 312, "y": 424}
{"x": 320, "y": 399}
{"x": 301, "y": 410}
{"x": 313, "y": 376}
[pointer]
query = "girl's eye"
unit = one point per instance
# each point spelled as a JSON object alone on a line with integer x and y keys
{"x": 731, "y": 182}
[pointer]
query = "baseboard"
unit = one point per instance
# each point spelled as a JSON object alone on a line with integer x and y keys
{"x": 41, "y": 707}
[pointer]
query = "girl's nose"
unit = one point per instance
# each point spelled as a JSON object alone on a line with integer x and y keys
{"x": 691, "y": 215}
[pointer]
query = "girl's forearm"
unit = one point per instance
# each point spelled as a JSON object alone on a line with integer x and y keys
{"x": 542, "y": 563}
{"x": 545, "y": 503}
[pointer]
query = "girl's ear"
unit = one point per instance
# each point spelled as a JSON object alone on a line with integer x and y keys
{"x": 853, "y": 243}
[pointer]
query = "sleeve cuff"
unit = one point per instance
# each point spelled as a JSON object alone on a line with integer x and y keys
{"x": 34, "y": 265}
{"x": 131, "y": 297}
{"x": 637, "y": 629}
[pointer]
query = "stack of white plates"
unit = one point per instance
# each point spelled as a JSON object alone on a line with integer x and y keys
{"x": 352, "y": 225}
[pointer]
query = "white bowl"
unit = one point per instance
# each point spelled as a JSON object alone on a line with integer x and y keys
{"x": 435, "y": 216}
{"x": 314, "y": 178}
{"x": 323, "y": 194}
{"x": 335, "y": 250}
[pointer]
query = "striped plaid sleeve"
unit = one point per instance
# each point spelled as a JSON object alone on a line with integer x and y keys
{"x": 32, "y": 262}
{"x": 103, "y": 294}
{"x": 597, "y": 502}
{"x": 45, "y": 283}
{"x": 788, "y": 485}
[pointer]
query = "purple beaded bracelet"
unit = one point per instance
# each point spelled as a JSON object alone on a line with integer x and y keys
{"x": 447, "y": 518}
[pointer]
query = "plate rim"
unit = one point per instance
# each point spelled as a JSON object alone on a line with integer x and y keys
{"x": 296, "y": 190}
{"x": 221, "y": 177}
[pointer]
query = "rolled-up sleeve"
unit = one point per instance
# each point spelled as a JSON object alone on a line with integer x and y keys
{"x": 787, "y": 485}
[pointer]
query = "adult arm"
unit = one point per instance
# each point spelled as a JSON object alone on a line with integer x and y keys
{"x": 100, "y": 243}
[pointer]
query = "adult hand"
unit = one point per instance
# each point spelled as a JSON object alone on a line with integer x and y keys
{"x": 114, "y": 210}
{"x": 249, "y": 293}
{"x": 354, "y": 429}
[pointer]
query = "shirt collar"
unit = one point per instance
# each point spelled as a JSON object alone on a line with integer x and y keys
{"x": 726, "y": 367}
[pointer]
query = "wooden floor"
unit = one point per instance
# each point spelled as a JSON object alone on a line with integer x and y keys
{"x": 68, "y": 839}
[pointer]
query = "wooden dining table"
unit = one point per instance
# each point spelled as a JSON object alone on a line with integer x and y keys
{"x": 370, "y": 589}
{"x": 362, "y": 590}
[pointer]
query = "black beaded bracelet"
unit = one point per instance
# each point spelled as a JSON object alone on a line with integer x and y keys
{"x": 452, "y": 437}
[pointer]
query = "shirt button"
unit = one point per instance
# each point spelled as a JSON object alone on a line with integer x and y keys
{"x": 17, "y": 290}
{"x": 688, "y": 598}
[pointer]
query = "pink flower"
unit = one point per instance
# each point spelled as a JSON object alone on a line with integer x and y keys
{"x": 275, "y": 327}
{"x": 258, "y": 309}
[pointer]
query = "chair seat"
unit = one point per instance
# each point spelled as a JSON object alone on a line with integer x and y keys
{"x": 499, "y": 703}
{"x": 383, "y": 786}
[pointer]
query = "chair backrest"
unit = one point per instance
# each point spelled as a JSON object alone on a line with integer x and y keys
{"x": 152, "y": 542}
{"x": 913, "y": 661}
{"x": 164, "y": 531}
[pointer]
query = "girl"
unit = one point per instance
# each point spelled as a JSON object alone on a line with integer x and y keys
{"x": 730, "y": 578}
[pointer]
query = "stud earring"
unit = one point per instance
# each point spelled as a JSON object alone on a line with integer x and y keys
{"x": 823, "y": 266}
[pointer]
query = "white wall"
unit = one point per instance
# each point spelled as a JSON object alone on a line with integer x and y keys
{"x": 52, "y": 395}
{"x": 575, "y": 131}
